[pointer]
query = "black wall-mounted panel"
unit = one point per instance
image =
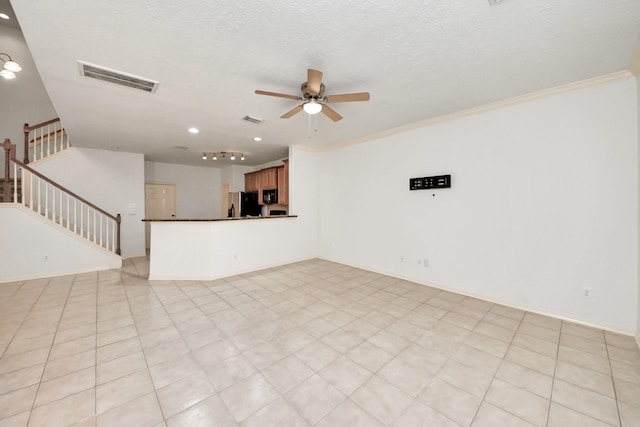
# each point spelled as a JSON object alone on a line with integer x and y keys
{"x": 430, "y": 182}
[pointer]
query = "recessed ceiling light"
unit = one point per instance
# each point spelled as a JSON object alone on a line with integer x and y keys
{"x": 4, "y": 16}
{"x": 194, "y": 130}
{"x": 257, "y": 139}
{"x": 492, "y": 2}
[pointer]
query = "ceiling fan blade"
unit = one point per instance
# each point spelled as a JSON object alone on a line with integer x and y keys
{"x": 331, "y": 113}
{"x": 280, "y": 95}
{"x": 314, "y": 81}
{"x": 348, "y": 97}
{"x": 292, "y": 112}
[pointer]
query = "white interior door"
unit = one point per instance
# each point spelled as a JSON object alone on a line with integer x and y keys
{"x": 159, "y": 203}
{"x": 225, "y": 204}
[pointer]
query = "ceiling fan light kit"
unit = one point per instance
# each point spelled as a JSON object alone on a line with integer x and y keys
{"x": 314, "y": 99}
{"x": 312, "y": 107}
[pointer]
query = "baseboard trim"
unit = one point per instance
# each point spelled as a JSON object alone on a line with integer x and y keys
{"x": 235, "y": 273}
{"x": 49, "y": 275}
{"x": 609, "y": 328}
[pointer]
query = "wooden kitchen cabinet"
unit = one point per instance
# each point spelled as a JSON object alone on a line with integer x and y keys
{"x": 269, "y": 179}
{"x": 283, "y": 183}
{"x": 252, "y": 181}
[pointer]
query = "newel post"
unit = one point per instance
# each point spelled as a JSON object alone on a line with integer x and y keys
{"x": 6, "y": 183}
{"x": 118, "y": 220}
{"x": 26, "y": 144}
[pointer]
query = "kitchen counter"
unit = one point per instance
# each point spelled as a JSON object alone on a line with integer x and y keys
{"x": 218, "y": 219}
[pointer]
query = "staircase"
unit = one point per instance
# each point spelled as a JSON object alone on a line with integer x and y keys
{"x": 10, "y": 190}
{"x": 44, "y": 140}
{"x": 25, "y": 186}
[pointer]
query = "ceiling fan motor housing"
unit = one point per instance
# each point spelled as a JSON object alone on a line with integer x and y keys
{"x": 307, "y": 95}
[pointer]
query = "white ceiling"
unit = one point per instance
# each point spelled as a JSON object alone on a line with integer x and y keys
{"x": 418, "y": 59}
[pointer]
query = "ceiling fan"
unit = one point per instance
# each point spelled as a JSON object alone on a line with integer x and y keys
{"x": 314, "y": 99}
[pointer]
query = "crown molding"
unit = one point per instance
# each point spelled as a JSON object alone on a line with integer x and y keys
{"x": 596, "y": 81}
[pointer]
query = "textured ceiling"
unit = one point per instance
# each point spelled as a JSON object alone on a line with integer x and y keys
{"x": 418, "y": 59}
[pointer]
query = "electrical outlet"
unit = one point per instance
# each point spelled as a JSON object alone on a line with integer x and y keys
{"x": 425, "y": 262}
{"x": 586, "y": 292}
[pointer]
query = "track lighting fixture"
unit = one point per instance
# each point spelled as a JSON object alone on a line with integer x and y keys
{"x": 222, "y": 155}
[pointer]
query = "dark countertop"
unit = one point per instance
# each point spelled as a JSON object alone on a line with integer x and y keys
{"x": 219, "y": 219}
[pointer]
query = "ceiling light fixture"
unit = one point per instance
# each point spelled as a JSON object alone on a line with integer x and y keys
{"x": 257, "y": 139}
{"x": 312, "y": 107}
{"x": 222, "y": 155}
{"x": 10, "y": 67}
{"x": 4, "y": 16}
{"x": 194, "y": 130}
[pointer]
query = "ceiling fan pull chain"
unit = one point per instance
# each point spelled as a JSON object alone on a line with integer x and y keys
{"x": 309, "y": 137}
{"x": 316, "y": 122}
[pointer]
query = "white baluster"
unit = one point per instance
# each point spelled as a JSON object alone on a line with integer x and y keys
{"x": 68, "y": 214}
{"x": 31, "y": 191}
{"x": 41, "y": 144}
{"x": 81, "y": 220}
{"x": 46, "y": 199}
{"x": 101, "y": 220}
{"x": 75, "y": 215}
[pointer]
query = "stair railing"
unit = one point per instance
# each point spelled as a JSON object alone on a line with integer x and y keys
{"x": 44, "y": 139}
{"x": 48, "y": 198}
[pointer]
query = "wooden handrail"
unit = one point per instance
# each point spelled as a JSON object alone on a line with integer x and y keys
{"x": 60, "y": 187}
{"x": 117, "y": 218}
{"x": 28, "y": 129}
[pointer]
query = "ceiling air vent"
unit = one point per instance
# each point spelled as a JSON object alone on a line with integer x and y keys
{"x": 117, "y": 77}
{"x": 252, "y": 119}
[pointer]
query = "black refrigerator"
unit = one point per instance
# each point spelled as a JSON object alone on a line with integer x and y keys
{"x": 249, "y": 205}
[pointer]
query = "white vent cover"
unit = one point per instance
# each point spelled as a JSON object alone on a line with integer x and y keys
{"x": 252, "y": 119}
{"x": 117, "y": 77}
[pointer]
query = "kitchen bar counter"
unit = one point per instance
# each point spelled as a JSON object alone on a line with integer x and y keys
{"x": 219, "y": 219}
{"x": 207, "y": 249}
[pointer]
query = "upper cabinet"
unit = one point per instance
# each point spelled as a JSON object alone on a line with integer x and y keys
{"x": 269, "y": 178}
{"x": 273, "y": 178}
{"x": 252, "y": 182}
{"x": 283, "y": 183}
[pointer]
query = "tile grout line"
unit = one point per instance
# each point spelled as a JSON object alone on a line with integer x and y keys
{"x": 26, "y": 315}
{"x": 155, "y": 393}
{"x": 613, "y": 382}
{"x": 555, "y": 368}
{"x": 35, "y": 397}
{"x": 501, "y": 362}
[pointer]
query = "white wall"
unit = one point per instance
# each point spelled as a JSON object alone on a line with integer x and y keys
{"x": 234, "y": 176}
{"x": 197, "y": 188}
{"x": 111, "y": 180}
{"x": 41, "y": 248}
{"x": 24, "y": 99}
{"x": 544, "y": 202}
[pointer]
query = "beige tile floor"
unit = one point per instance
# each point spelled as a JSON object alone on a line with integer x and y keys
{"x": 311, "y": 343}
